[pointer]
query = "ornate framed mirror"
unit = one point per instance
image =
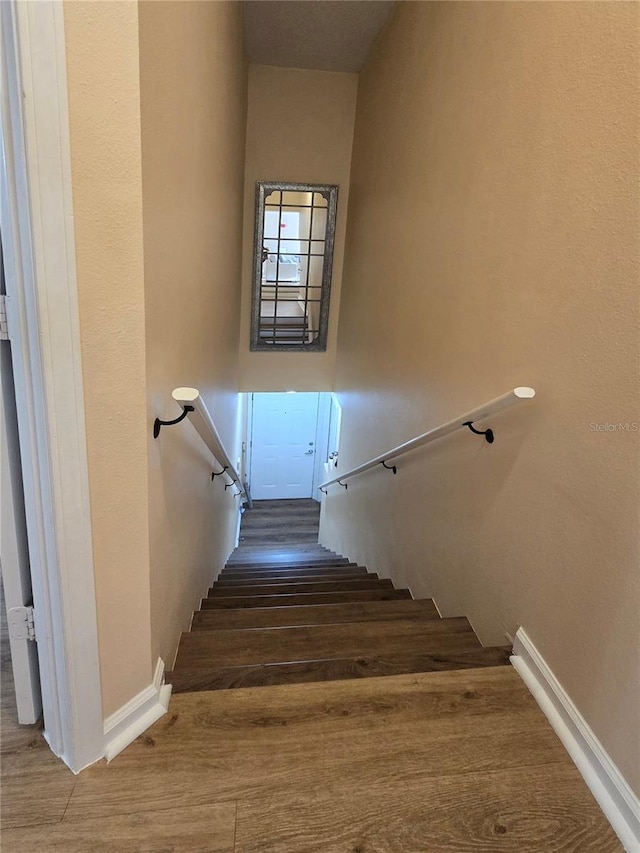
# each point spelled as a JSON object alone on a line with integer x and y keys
{"x": 293, "y": 260}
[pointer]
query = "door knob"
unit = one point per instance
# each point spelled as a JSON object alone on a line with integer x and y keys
{"x": 309, "y": 453}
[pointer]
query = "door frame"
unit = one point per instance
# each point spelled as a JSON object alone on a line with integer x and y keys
{"x": 322, "y": 436}
{"x": 43, "y": 320}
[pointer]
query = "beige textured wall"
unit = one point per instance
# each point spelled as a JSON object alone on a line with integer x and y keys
{"x": 157, "y": 95}
{"x": 193, "y": 97}
{"x": 104, "y": 105}
{"x": 493, "y": 242}
{"x": 299, "y": 128}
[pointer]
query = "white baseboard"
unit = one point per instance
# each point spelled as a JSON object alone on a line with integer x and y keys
{"x": 130, "y": 721}
{"x": 610, "y": 789}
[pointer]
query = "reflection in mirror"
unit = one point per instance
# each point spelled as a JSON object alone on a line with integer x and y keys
{"x": 295, "y": 228}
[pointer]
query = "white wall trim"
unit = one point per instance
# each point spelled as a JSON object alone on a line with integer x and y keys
{"x": 135, "y": 717}
{"x": 611, "y": 790}
{"x": 38, "y": 231}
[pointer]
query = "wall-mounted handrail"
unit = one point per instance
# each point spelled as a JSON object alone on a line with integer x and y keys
{"x": 517, "y": 395}
{"x": 198, "y": 414}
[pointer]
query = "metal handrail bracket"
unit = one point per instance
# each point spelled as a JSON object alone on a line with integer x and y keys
{"x": 201, "y": 420}
{"x": 517, "y": 395}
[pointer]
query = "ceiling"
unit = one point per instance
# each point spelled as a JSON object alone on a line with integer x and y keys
{"x": 327, "y": 35}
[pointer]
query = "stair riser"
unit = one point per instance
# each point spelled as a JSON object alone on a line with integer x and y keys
{"x": 300, "y": 570}
{"x": 292, "y": 547}
{"x": 289, "y": 579}
{"x": 224, "y": 678}
{"x": 273, "y": 617}
{"x": 270, "y": 565}
{"x": 377, "y": 647}
{"x": 245, "y": 601}
{"x": 293, "y": 588}
{"x": 276, "y": 645}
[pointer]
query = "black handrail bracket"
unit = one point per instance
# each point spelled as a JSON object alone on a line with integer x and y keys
{"x": 487, "y": 433}
{"x": 158, "y": 424}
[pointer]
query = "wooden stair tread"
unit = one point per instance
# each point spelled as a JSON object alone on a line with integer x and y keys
{"x": 441, "y": 761}
{"x": 255, "y": 551}
{"x": 303, "y": 551}
{"x": 304, "y": 598}
{"x": 201, "y": 649}
{"x": 288, "y": 572}
{"x": 278, "y": 551}
{"x": 336, "y": 669}
{"x": 260, "y": 565}
{"x": 272, "y": 617}
{"x": 295, "y": 578}
{"x": 292, "y": 588}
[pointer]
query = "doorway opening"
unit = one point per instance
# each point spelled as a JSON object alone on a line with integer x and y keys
{"x": 292, "y": 443}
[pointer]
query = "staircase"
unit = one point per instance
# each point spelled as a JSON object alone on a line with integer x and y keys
{"x": 315, "y": 752}
{"x": 295, "y": 613}
{"x": 283, "y": 322}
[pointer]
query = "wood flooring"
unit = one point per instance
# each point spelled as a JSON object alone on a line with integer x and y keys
{"x": 351, "y": 721}
{"x": 426, "y": 763}
{"x": 281, "y": 521}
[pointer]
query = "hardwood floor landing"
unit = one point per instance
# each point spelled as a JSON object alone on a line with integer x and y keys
{"x": 448, "y": 762}
{"x": 526, "y": 810}
{"x": 208, "y": 828}
{"x": 281, "y": 521}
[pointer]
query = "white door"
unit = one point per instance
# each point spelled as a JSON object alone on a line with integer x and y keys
{"x": 14, "y": 552}
{"x": 283, "y": 445}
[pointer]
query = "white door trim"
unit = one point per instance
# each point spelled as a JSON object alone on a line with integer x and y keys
{"x": 38, "y": 233}
{"x": 249, "y": 438}
{"x": 322, "y": 434}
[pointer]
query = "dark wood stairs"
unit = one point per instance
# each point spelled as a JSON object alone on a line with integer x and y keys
{"x": 301, "y": 613}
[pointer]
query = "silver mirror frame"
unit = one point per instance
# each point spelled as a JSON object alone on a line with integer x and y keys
{"x": 263, "y": 190}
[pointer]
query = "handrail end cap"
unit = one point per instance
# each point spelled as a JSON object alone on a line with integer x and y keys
{"x": 185, "y": 395}
{"x": 524, "y": 392}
